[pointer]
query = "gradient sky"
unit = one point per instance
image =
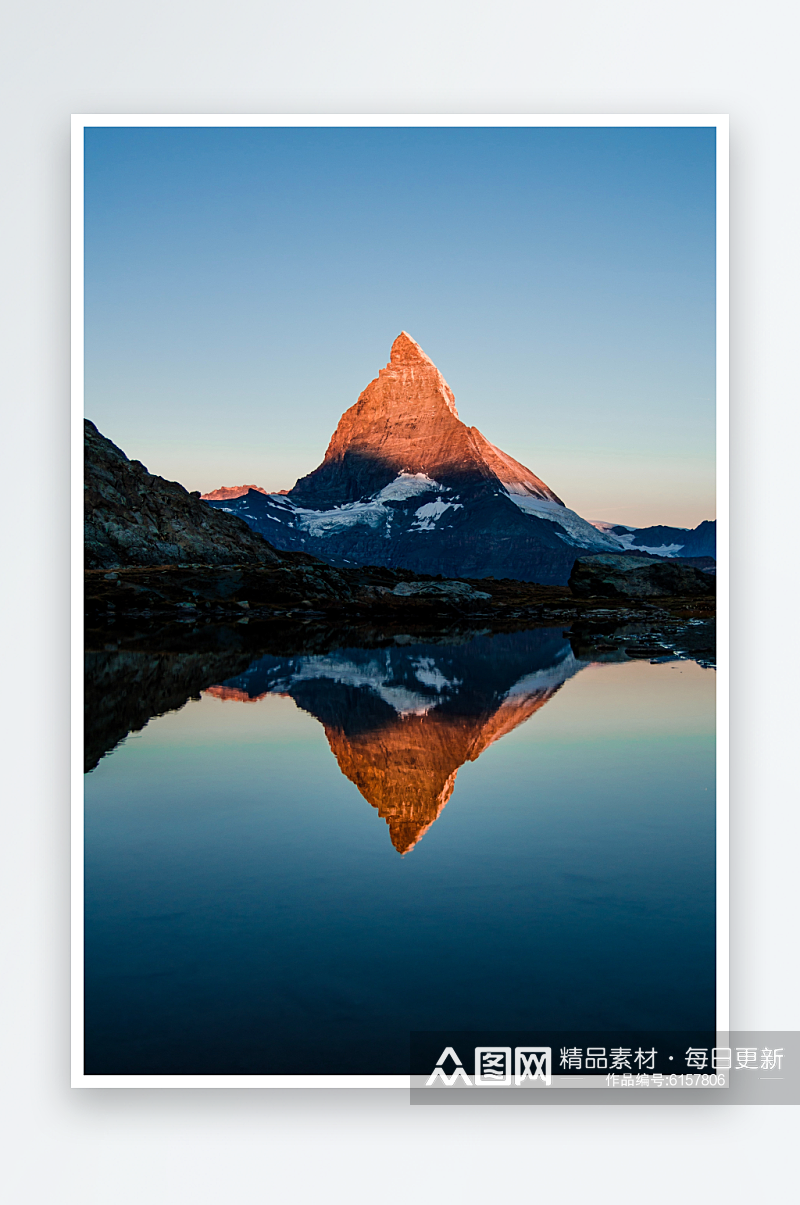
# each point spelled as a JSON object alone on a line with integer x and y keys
{"x": 244, "y": 285}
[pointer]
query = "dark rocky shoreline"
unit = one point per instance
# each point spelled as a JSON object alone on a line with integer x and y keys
{"x": 612, "y": 604}
{"x": 201, "y": 594}
{"x": 598, "y": 633}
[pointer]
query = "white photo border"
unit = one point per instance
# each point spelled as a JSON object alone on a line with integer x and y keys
{"x": 287, "y": 120}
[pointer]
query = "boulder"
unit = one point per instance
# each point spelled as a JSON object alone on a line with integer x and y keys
{"x": 452, "y": 591}
{"x": 608, "y": 575}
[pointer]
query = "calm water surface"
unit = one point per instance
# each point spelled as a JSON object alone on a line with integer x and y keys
{"x": 322, "y": 853}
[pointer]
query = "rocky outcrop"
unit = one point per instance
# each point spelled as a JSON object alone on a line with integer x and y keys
{"x": 132, "y": 517}
{"x": 625, "y": 576}
{"x": 450, "y": 591}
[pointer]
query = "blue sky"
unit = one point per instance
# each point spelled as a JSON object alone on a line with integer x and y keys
{"x": 244, "y": 285}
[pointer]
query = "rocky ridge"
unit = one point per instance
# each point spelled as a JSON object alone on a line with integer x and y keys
{"x": 234, "y": 491}
{"x": 132, "y": 517}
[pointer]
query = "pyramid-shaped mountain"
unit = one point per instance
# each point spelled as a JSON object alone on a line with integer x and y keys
{"x": 406, "y": 424}
{"x": 406, "y": 484}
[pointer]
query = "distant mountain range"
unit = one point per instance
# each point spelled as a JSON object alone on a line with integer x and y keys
{"x": 665, "y": 541}
{"x": 236, "y": 491}
{"x": 405, "y": 484}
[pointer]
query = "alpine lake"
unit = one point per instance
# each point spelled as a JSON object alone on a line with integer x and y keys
{"x": 303, "y": 844}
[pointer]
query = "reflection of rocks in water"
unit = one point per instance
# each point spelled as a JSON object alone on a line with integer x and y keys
{"x": 475, "y": 682}
{"x": 401, "y": 721}
{"x": 123, "y": 690}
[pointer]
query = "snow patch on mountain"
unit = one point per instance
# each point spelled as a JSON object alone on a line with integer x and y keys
{"x": 326, "y": 522}
{"x": 576, "y": 530}
{"x": 604, "y": 525}
{"x": 626, "y": 539}
{"x": 428, "y": 673}
{"x": 373, "y": 512}
{"x": 407, "y": 485}
{"x": 378, "y": 674}
{"x": 661, "y": 550}
{"x": 428, "y": 514}
{"x": 547, "y": 679}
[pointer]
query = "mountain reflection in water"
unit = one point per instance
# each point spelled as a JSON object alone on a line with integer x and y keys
{"x": 245, "y": 913}
{"x": 402, "y": 720}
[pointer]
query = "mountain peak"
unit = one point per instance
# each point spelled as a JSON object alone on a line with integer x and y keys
{"x": 406, "y": 350}
{"x": 405, "y": 482}
{"x": 406, "y": 422}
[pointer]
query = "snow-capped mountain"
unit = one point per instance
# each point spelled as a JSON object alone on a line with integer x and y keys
{"x": 664, "y": 541}
{"x": 406, "y": 484}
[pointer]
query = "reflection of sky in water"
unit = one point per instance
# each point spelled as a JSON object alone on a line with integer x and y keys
{"x": 242, "y": 895}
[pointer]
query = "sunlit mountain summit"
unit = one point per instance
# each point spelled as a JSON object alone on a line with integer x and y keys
{"x": 401, "y": 721}
{"x": 406, "y": 484}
